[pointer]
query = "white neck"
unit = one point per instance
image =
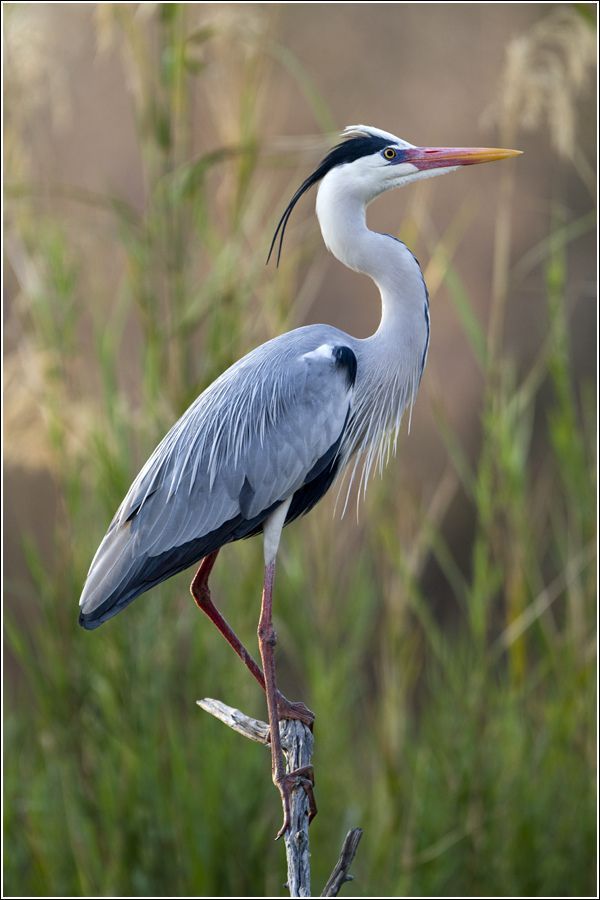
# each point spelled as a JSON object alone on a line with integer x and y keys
{"x": 342, "y": 216}
{"x": 391, "y": 360}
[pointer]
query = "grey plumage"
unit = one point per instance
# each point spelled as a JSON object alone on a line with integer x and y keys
{"x": 248, "y": 442}
{"x": 286, "y": 420}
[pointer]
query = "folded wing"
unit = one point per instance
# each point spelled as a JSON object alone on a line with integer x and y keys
{"x": 268, "y": 429}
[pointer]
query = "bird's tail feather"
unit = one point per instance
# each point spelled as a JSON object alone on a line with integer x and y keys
{"x": 112, "y": 580}
{"x": 119, "y": 573}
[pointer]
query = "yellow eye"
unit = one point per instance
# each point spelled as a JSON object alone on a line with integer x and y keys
{"x": 389, "y": 153}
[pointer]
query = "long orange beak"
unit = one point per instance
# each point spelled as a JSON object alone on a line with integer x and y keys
{"x": 440, "y": 157}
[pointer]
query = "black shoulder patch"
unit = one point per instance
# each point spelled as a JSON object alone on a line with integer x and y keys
{"x": 346, "y": 359}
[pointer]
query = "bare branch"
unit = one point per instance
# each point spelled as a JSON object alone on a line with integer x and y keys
{"x": 297, "y": 743}
{"x": 340, "y": 875}
{"x": 253, "y": 729}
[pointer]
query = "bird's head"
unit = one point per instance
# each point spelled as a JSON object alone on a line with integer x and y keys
{"x": 369, "y": 162}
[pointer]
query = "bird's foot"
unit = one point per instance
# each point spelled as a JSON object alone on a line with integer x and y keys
{"x": 288, "y": 709}
{"x": 303, "y": 778}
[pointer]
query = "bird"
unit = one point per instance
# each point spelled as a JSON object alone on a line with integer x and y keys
{"x": 267, "y": 439}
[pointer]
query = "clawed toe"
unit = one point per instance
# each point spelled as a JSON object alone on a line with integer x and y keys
{"x": 304, "y": 778}
{"x": 288, "y": 709}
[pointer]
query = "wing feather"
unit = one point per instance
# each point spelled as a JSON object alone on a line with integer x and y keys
{"x": 246, "y": 444}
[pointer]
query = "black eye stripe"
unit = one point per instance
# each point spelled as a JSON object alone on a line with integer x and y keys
{"x": 347, "y": 152}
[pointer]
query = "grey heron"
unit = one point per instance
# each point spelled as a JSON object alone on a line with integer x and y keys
{"x": 266, "y": 440}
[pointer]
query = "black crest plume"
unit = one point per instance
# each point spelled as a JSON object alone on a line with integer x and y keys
{"x": 346, "y": 152}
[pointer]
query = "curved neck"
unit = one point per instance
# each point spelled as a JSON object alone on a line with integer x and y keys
{"x": 391, "y": 361}
{"x": 393, "y": 268}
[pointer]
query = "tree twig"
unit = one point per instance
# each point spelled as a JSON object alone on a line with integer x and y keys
{"x": 253, "y": 729}
{"x": 297, "y": 743}
{"x": 340, "y": 875}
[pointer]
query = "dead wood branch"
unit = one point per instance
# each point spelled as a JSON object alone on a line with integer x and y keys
{"x": 297, "y": 743}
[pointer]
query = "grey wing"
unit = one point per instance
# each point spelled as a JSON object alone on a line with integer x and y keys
{"x": 268, "y": 429}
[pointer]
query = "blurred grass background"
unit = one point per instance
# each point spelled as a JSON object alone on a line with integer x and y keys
{"x": 446, "y": 639}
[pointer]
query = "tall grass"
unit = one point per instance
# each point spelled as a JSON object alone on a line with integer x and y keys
{"x": 462, "y": 742}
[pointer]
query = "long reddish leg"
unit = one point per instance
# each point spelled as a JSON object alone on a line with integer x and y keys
{"x": 267, "y": 639}
{"x": 201, "y": 594}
